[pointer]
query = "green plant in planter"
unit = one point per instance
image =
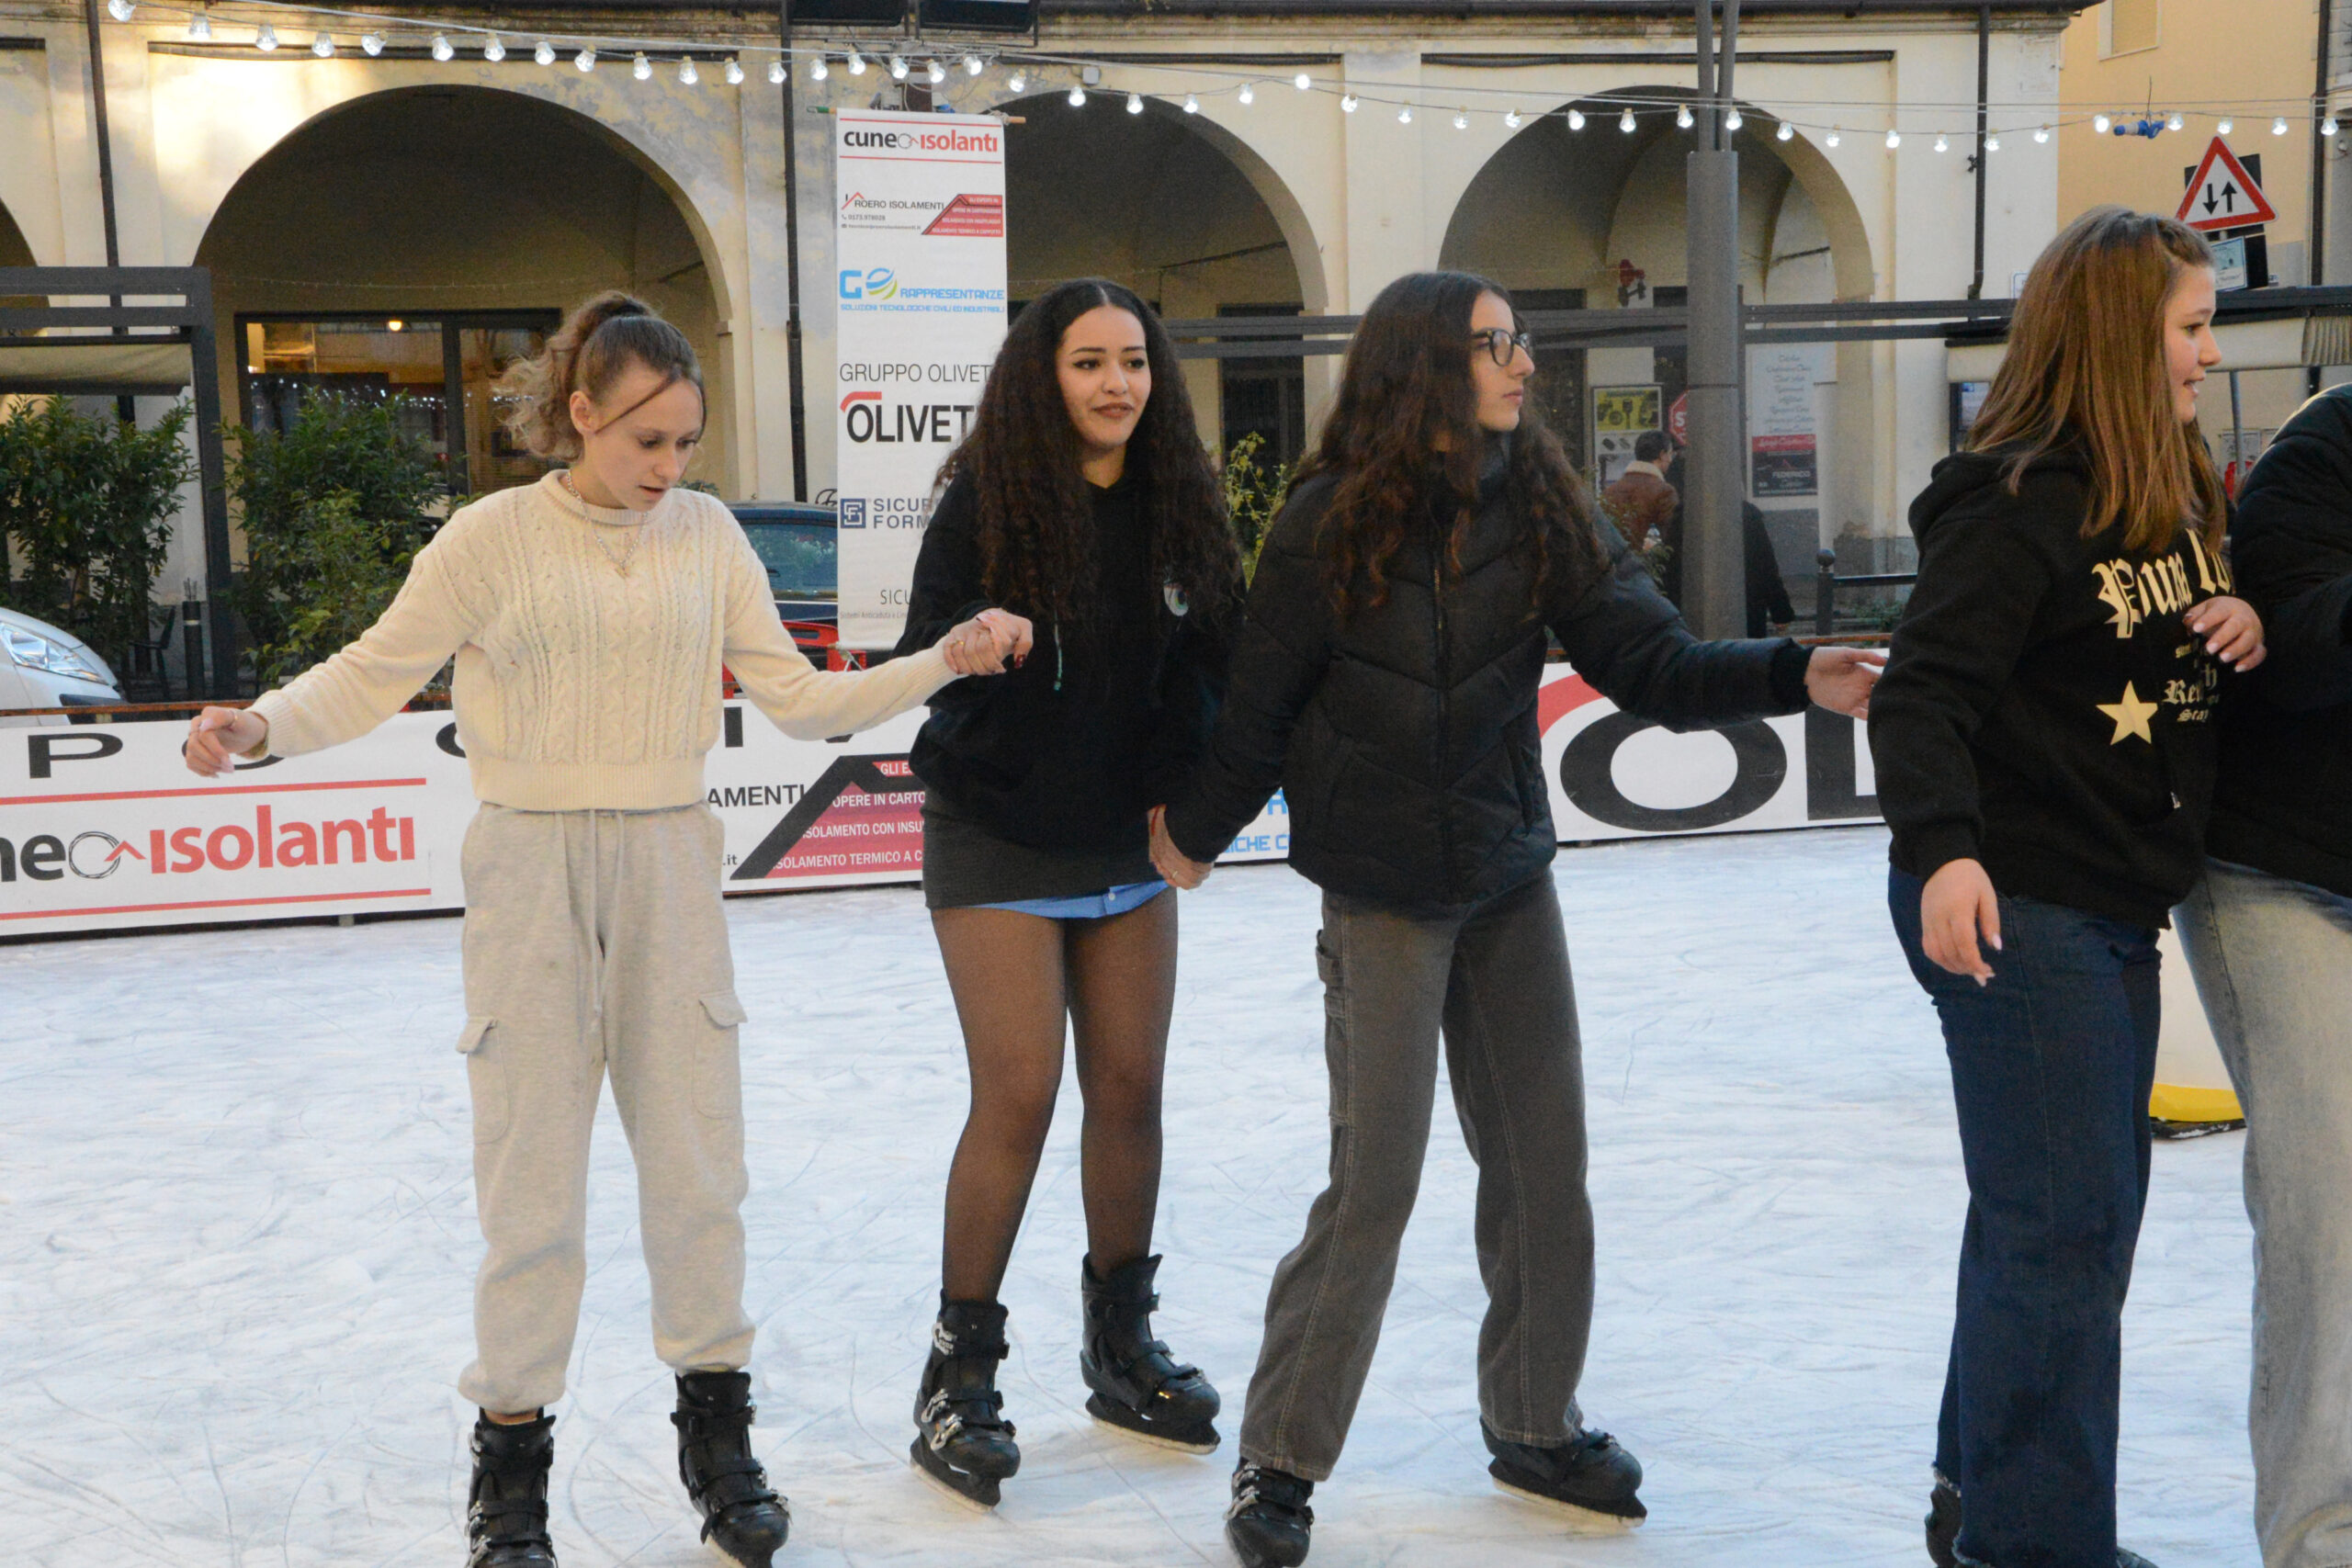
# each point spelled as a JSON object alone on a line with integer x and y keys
{"x": 87, "y": 503}
{"x": 388, "y": 490}
{"x": 1253, "y": 497}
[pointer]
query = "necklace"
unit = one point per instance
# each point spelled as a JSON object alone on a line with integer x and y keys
{"x": 620, "y": 562}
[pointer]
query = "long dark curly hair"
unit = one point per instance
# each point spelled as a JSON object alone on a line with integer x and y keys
{"x": 1403, "y": 440}
{"x": 1021, "y": 456}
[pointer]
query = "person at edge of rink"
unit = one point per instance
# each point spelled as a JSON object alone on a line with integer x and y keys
{"x": 2044, "y": 740}
{"x": 1082, "y": 498}
{"x": 2268, "y": 935}
{"x": 588, "y": 615}
{"x": 1385, "y": 675}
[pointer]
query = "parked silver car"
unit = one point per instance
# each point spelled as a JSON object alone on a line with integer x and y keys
{"x": 46, "y": 667}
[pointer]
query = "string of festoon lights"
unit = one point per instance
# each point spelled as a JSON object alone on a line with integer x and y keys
{"x": 963, "y": 67}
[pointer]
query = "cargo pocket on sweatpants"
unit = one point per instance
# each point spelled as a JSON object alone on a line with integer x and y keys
{"x": 486, "y": 1076}
{"x": 1335, "y": 1053}
{"x": 718, "y": 1071}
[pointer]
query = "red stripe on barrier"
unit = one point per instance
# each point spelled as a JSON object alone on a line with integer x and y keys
{"x": 213, "y": 903}
{"x": 191, "y": 794}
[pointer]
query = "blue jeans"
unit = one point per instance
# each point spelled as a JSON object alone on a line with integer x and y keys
{"x": 2052, "y": 1065}
{"x": 2273, "y": 962}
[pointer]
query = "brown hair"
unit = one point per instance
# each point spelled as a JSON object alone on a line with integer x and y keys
{"x": 1403, "y": 435}
{"x": 2086, "y": 370}
{"x": 597, "y": 343}
{"x": 1021, "y": 456}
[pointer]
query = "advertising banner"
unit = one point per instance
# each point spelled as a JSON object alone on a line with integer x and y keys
{"x": 918, "y": 241}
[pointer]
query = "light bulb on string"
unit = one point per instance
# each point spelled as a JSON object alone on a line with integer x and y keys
{"x": 1016, "y": 82}
{"x": 1461, "y": 121}
{"x": 200, "y": 28}
{"x": 687, "y": 74}
{"x": 1992, "y": 143}
{"x": 818, "y": 71}
{"x": 371, "y": 44}
{"x": 265, "y": 39}
{"x": 120, "y": 10}
{"x": 492, "y": 50}
{"x": 856, "y": 61}
{"x": 974, "y": 65}
{"x": 1682, "y": 117}
{"x": 442, "y": 50}
{"x": 778, "y": 71}
{"x": 1575, "y": 120}
{"x": 643, "y": 69}
{"x": 1348, "y": 102}
{"x": 897, "y": 68}
{"x": 1247, "y": 95}
{"x": 1833, "y": 138}
{"x": 2174, "y": 123}
{"x": 936, "y": 71}
{"x": 1302, "y": 80}
{"x": 734, "y": 73}
{"x": 2099, "y": 123}
{"x": 544, "y": 53}
{"x": 1405, "y": 115}
{"x": 1733, "y": 120}
{"x": 1135, "y": 103}
{"x": 2328, "y": 125}
{"x": 2278, "y": 126}
{"x": 585, "y": 60}
{"x": 2042, "y": 134}
{"x": 1076, "y": 98}
{"x": 1191, "y": 103}
{"x": 2224, "y": 125}
{"x": 1511, "y": 120}
{"x": 1625, "y": 122}
{"x": 1943, "y": 142}
{"x": 323, "y": 46}
{"x": 1894, "y": 139}
{"x": 1786, "y": 133}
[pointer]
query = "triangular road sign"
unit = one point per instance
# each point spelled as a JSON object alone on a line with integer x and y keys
{"x": 2221, "y": 194}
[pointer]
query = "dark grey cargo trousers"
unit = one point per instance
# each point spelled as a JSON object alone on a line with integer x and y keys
{"x": 1495, "y": 984}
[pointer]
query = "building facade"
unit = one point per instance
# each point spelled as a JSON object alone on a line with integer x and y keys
{"x": 404, "y": 221}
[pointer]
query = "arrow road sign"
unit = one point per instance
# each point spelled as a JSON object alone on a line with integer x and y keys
{"x": 2221, "y": 194}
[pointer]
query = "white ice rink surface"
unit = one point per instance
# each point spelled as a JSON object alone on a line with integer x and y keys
{"x": 237, "y": 1240}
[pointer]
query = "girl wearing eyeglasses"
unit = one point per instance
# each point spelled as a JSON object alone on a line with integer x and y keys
{"x": 1385, "y": 677}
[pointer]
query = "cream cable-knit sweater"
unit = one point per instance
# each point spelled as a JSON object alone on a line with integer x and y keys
{"x": 579, "y": 685}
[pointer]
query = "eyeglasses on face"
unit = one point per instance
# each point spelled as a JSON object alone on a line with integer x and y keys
{"x": 1501, "y": 343}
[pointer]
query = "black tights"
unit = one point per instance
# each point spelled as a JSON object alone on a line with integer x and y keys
{"x": 1016, "y": 977}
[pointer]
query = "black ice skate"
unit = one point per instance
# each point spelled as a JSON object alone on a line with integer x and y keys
{"x": 1139, "y": 1387}
{"x": 742, "y": 1518}
{"x": 1943, "y": 1532}
{"x": 506, "y": 1510}
{"x": 961, "y": 1439}
{"x": 1269, "y": 1523}
{"x": 1591, "y": 1477}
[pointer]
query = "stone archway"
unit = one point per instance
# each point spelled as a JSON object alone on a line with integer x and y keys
{"x": 483, "y": 210}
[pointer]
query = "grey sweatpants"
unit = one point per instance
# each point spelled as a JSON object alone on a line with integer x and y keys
{"x": 1495, "y": 983}
{"x": 594, "y": 943}
{"x": 2273, "y": 963}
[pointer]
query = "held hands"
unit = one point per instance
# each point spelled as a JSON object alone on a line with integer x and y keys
{"x": 1176, "y": 868}
{"x": 2233, "y": 632}
{"x": 1840, "y": 678}
{"x": 981, "y": 644}
{"x": 1955, "y": 906}
{"x": 218, "y": 737}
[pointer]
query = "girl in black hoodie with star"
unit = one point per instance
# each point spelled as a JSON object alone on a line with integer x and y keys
{"x": 2044, "y": 745}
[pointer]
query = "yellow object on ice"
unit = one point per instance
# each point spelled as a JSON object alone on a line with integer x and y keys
{"x": 2192, "y": 1085}
{"x": 2171, "y": 1103}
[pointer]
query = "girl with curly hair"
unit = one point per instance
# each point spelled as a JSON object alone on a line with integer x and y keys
{"x": 1083, "y": 500}
{"x": 1385, "y": 677}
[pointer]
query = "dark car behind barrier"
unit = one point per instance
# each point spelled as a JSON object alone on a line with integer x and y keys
{"x": 796, "y": 543}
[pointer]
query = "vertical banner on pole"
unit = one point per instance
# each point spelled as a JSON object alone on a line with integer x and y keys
{"x": 919, "y": 242}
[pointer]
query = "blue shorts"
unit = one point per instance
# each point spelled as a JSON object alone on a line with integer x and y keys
{"x": 1088, "y": 905}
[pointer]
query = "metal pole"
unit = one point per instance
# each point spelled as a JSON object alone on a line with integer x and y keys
{"x": 1984, "y": 91}
{"x": 125, "y": 409}
{"x": 204, "y": 372}
{"x": 2237, "y": 438}
{"x": 796, "y": 376}
{"x": 2318, "y": 242}
{"x": 1715, "y": 567}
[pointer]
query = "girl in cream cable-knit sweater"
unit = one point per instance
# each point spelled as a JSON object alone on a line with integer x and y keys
{"x": 589, "y": 616}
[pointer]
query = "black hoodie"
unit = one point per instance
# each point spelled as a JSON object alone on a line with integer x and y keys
{"x": 2045, "y": 711}
{"x": 2284, "y": 801}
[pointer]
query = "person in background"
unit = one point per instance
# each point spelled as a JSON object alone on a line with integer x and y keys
{"x": 2268, "y": 934}
{"x": 589, "y": 615}
{"x": 2044, "y": 740}
{"x": 1083, "y": 496}
{"x": 1640, "y": 500}
{"x": 1385, "y": 675}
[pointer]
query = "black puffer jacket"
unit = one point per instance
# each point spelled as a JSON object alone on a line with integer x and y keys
{"x": 2283, "y": 802}
{"x": 1405, "y": 738}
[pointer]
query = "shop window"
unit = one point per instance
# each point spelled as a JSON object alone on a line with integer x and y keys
{"x": 2126, "y": 25}
{"x": 1264, "y": 397}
